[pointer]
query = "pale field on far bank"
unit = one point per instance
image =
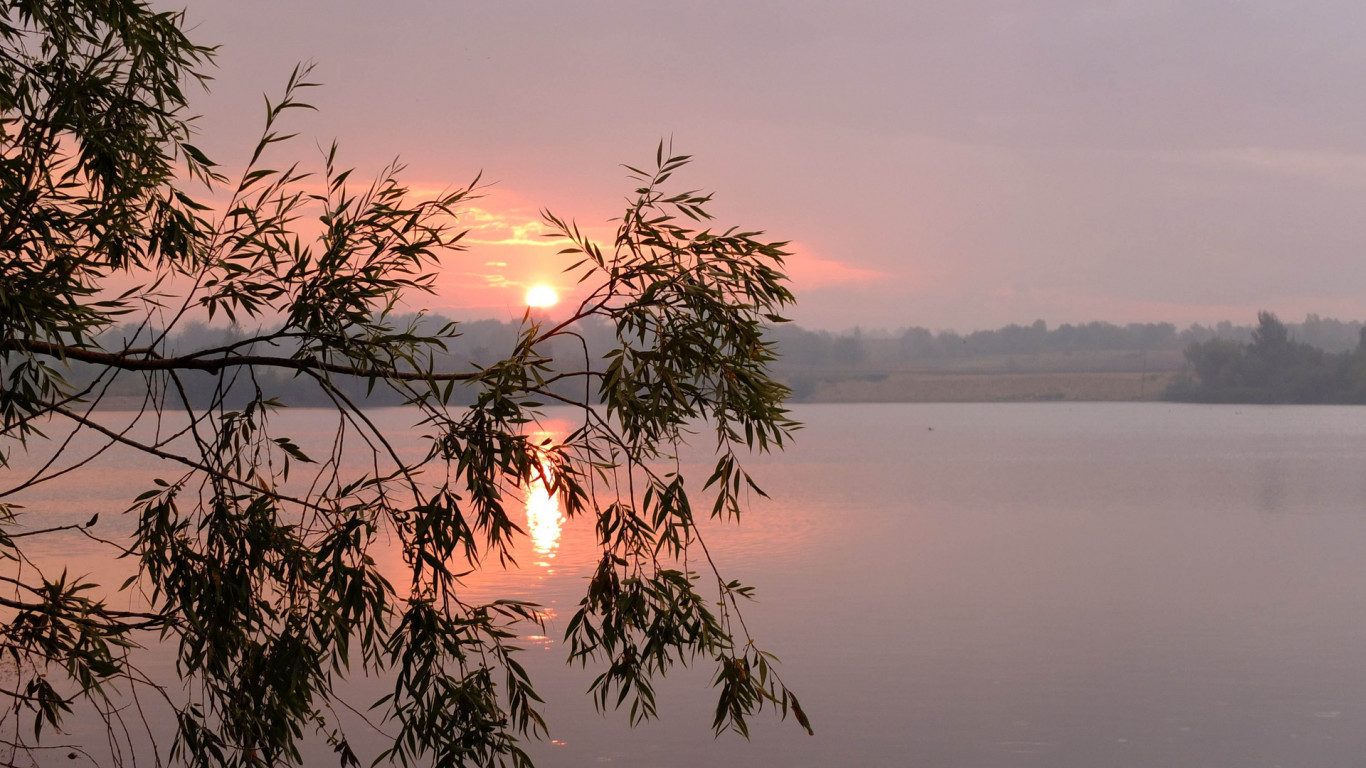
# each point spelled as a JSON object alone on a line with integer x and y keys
{"x": 1104, "y": 376}
{"x": 993, "y": 387}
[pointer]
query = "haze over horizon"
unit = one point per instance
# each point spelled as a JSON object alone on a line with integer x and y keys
{"x": 935, "y": 164}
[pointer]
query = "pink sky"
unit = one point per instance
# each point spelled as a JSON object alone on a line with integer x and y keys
{"x": 943, "y": 164}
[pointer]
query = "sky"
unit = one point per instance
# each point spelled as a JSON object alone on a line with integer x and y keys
{"x": 949, "y": 165}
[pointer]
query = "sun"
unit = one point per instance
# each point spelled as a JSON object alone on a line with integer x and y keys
{"x": 541, "y": 296}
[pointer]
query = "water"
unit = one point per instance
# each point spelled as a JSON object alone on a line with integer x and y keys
{"x": 1009, "y": 585}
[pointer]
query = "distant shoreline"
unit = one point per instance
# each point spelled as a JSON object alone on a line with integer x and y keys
{"x": 1091, "y": 376}
{"x": 993, "y": 388}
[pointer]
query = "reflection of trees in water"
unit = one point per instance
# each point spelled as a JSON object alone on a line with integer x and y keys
{"x": 1271, "y": 488}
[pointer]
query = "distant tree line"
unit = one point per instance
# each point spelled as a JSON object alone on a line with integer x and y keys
{"x": 1273, "y": 366}
{"x": 802, "y": 347}
{"x": 819, "y": 348}
{"x": 1036, "y": 338}
{"x": 1318, "y": 360}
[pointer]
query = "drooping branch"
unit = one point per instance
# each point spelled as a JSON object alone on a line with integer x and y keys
{"x": 127, "y": 362}
{"x": 152, "y": 450}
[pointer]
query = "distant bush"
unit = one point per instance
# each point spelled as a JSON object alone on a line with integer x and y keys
{"x": 1273, "y": 367}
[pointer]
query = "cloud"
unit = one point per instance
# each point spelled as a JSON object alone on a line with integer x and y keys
{"x": 1324, "y": 165}
{"x": 514, "y": 227}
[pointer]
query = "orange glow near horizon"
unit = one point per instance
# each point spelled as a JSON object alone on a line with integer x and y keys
{"x": 512, "y": 261}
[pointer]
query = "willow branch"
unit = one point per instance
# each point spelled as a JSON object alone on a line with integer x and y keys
{"x": 126, "y": 362}
{"x": 154, "y": 451}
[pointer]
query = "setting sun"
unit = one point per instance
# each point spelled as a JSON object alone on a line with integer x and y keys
{"x": 541, "y": 296}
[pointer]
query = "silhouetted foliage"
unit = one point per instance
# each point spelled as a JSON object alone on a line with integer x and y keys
{"x": 256, "y": 555}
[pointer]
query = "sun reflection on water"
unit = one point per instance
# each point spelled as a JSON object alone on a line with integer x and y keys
{"x": 544, "y": 517}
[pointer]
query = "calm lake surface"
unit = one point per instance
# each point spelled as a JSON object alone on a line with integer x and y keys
{"x": 1074, "y": 585}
